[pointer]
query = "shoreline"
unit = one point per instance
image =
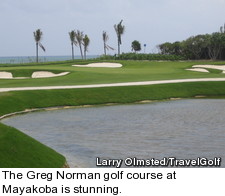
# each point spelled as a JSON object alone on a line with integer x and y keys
{"x": 66, "y": 165}
{"x": 95, "y": 105}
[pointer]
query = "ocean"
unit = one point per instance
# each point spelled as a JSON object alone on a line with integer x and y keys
{"x": 30, "y": 59}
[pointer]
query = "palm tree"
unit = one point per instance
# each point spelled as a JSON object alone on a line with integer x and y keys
{"x": 222, "y": 29}
{"x": 135, "y": 46}
{"x": 119, "y": 28}
{"x": 105, "y": 39}
{"x": 79, "y": 39}
{"x": 86, "y": 42}
{"x": 38, "y": 36}
{"x": 72, "y": 35}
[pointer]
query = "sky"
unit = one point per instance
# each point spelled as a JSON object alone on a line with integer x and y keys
{"x": 151, "y": 22}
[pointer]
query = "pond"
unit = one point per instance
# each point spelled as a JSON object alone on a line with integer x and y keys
{"x": 185, "y": 129}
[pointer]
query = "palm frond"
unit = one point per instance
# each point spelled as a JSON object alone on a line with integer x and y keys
{"x": 79, "y": 36}
{"x": 72, "y": 35}
{"x": 38, "y": 35}
{"x": 41, "y": 46}
{"x": 109, "y": 47}
{"x": 86, "y": 42}
{"x": 105, "y": 36}
{"x": 119, "y": 28}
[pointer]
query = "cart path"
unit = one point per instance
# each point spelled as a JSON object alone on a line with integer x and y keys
{"x": 112, "y": 84}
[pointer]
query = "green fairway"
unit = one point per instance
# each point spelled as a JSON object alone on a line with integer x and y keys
{"x": 19, "y": 150}
{"x": 132, "y": 71}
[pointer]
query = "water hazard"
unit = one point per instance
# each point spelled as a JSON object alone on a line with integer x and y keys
{"x": 182, "y": 129}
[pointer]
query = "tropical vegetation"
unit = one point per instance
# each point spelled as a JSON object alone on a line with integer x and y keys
{"x": 143, "y": 56}
{"x": 119, "y": 28}
{"x": 72, "y": 35}
{"x": 79, "y": 39}
{"x": 38, "y": 37}
{"x": 86, "y": 42}
{"x": 136, "y": 46}
{"x": 105, "y": 38}
{"x": 205, "y": 46}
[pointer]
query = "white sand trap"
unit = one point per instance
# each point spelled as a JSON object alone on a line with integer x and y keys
{"x": 109, "y": 65}
{"x": 5, "y": 75}
{"x": 47, "y": 74}
{"x": 219, "y": 67}
{"x": 37, "y": 74}
{"x": 203, "y": 68}
{"x": 199, "y": 70}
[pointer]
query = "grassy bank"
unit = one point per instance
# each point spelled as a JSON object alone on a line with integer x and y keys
{"x": 18, "y": 101}
{"x": 19, "y": 150}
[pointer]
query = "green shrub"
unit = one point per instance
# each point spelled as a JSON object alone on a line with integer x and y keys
{"x": 150, "y": 57}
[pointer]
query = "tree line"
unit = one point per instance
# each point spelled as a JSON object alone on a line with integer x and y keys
{"x": 206, "y": 46}
{"x": 77, "y": 38}
{"x": 81, "y": 40}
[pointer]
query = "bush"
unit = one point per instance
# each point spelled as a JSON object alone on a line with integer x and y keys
{"x": 107, "y": 57}
{"x": 150, "y": 57}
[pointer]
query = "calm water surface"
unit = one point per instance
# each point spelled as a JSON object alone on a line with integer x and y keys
{"x": 31, "y": 59}
{"x": 181, "y": 129}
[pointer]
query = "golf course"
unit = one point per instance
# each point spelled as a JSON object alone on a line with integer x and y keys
{"x": 133, "y": 82}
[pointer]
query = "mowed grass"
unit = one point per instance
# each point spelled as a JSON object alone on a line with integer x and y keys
{"x": 21, "y": 151}
{"x": 131, "y": 71}
{"x": 18, "y": 101}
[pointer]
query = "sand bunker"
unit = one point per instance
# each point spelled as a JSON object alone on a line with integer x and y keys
{"x": 198, "y": 70}
{"x": 47, "y": 74}
{"x": 36, "y": 74}
{"x": 5, "y": 75}
{"x": 108, "y": 65}
{"x": 203, "y": 68}
{"x": 220, "y": 67}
